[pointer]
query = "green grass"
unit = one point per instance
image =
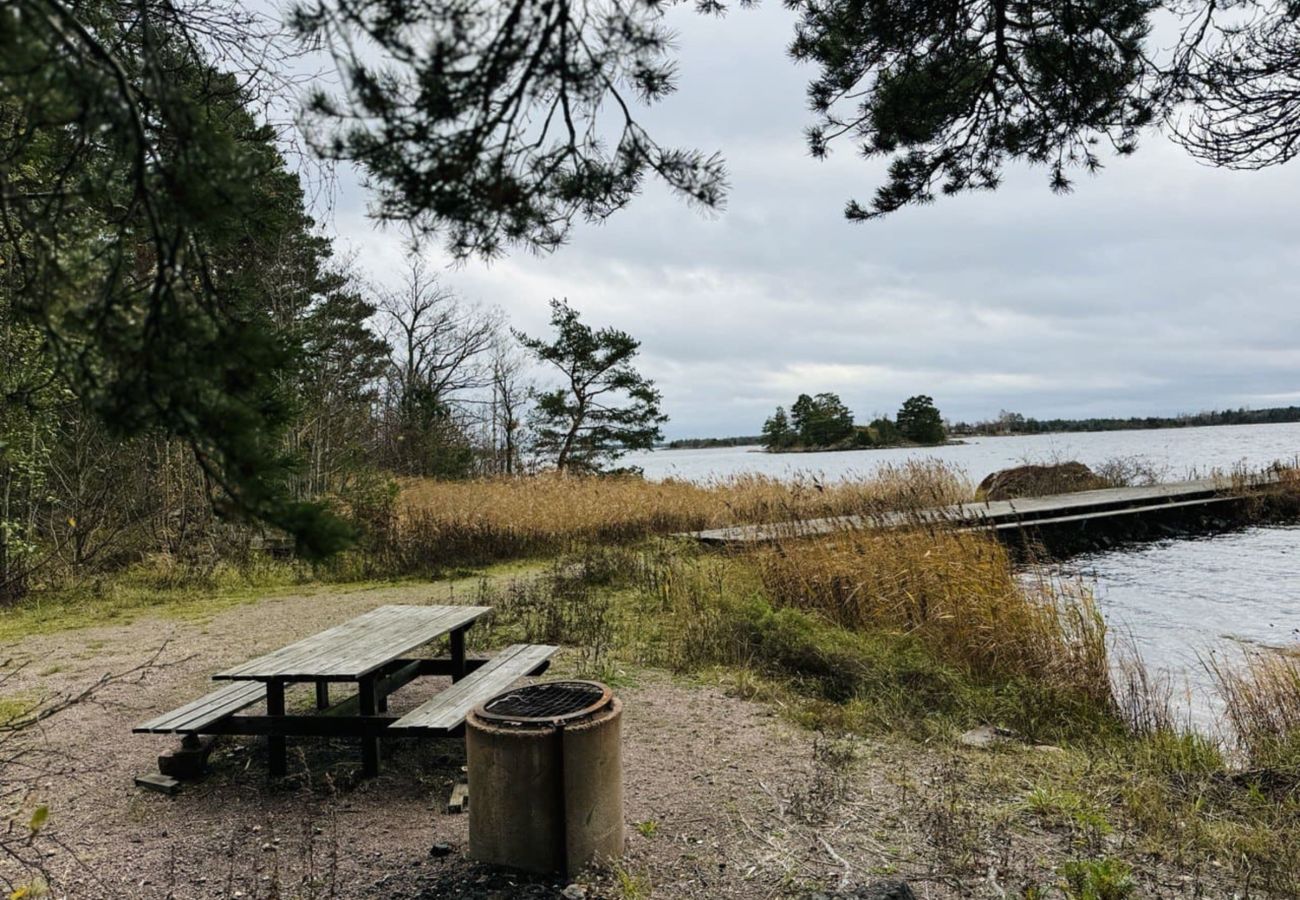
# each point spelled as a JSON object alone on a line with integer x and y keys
{"x": 1098, "y": 879}
{"x": 141, "y": 591}
{"x": 15, "y": 706}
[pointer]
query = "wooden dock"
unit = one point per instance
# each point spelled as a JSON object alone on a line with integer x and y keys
{"x": 1085, "y": 509}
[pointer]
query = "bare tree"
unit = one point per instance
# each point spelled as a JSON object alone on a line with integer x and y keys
{"x": 439, "y": 342}
{"x": 440, "y": 369}
{"x": 511, "y": 390}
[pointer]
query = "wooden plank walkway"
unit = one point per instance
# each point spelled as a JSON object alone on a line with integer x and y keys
{"x": 1007, "y": 514}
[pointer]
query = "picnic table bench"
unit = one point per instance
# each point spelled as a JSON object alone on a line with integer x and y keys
{"x": 371, "y": 651}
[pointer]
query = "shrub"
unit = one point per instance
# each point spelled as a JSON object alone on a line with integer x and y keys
{"x": 1099, "y": 879}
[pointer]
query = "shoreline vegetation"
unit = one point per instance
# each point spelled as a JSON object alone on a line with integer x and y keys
{"x": 911, "y": 639}
{"x": 1010, "y": 424}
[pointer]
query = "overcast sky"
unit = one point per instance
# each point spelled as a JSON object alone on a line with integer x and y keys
{"x": 1159, "y": 287}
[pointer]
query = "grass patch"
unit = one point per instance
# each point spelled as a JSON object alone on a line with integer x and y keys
{"x": 1098, "y": 879}
{"x": 14, "y": 707}
{"x": 160, "y": 590}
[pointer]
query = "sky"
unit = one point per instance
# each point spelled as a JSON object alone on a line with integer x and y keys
{"x": 1160, "y": 286}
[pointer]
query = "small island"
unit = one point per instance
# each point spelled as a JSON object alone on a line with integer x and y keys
{"x": 822, "y": 422}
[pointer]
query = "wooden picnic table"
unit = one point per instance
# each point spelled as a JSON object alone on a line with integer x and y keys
{"x": 372, "y": 651}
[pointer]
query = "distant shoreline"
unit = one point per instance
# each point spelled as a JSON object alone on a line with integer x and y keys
{"x": 1275, "y": 416}
{"x": 902, "y": 446}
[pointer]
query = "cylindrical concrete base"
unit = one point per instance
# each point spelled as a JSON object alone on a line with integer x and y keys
{"x": 546, "y": 799}
{"x": 593, "y": 788}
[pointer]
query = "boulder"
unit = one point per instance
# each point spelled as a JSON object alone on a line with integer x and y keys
{"x": 1038, "y": 481}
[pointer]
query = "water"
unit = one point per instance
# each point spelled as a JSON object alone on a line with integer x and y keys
{"x": 1175, "y": 452}
{"x": 1178, "y": 600}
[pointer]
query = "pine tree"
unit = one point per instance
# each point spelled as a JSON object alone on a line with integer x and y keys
{"x": 605, "y": 407}
{"x": 141, "y": 202}
{"x": 919, "y": 421}
{"x": 821, "y": 421}
{"x": 777, "y": 432}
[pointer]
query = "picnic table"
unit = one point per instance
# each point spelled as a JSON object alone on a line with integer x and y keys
{"x": 372, "y": 651}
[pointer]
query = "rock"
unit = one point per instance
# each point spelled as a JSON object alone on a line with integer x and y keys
{"x": 987, "y": 736}
{"x": 574, "y": 892}
{"x": 1037, "y": 481}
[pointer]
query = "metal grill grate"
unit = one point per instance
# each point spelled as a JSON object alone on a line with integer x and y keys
{"x": 551, "y": 702}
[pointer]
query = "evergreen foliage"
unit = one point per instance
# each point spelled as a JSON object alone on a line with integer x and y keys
{"x": 821, "y": 421}
{"x": 140, "y": 203}
{"x": 919, "y": 421}
{"x": 951, "y": 92}
{"x": 491, "y": 123}
{"x": 605, "y": 406}
{"x": 777, "y": 433}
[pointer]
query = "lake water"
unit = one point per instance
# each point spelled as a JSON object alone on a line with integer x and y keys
{"x": 1176, "y": 452}
{"x": 1182, "y": 600}
{"x": 1179, "y": 600}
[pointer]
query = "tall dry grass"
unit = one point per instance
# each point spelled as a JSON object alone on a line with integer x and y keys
{"x": 436, "y": 523}
{"x": 1261, "y": 694}
{"x": 958, "y": 594}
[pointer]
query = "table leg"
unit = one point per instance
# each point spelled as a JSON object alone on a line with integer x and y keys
{"x": 458, "y": 654}
{"x": 322, "y": 694}
{"x": 275, "y": 744}
{"x": 367, "y": 694}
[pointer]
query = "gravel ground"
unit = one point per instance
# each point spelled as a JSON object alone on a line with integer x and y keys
{"x": 693, "y": 762}
{"x": 724, "y": 797}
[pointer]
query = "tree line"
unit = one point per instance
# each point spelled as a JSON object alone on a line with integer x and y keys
{"x": 823, "y": 422}
{"x": 378, "y": 382}
{"x": 1016, "y": 423}
{"x": 255, "y": 377}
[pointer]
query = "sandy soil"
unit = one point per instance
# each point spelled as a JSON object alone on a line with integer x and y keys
{"x": 724, "y": 797}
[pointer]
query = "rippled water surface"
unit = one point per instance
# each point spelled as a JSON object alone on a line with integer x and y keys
{"x": 1179, "y": 600}
{"x": 1182, "y": 600}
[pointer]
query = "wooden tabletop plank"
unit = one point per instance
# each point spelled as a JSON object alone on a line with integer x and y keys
{"x": 359, "y": 646}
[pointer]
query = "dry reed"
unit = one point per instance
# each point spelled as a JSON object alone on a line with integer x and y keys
{"x": 1261, "y": 694}
{"x": 446, "y": 522}
{"x": 956, "y": 593}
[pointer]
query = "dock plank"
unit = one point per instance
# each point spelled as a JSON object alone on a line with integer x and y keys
{"x": 1001, "y": 514}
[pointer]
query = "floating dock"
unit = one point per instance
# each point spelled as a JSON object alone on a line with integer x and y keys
{"x": 1204, "y": 501}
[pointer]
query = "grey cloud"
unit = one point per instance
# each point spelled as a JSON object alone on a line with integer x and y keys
{"x": 1158, "y": 287}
